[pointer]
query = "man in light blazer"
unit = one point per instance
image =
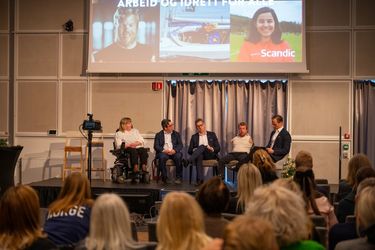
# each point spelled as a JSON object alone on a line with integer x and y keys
{"x": 279, "y": 143}
{"x": 204, "y": 145}
{"x": 168, "y": 145}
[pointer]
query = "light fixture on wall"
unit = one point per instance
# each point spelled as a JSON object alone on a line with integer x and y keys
{"x": 68, "y": 26}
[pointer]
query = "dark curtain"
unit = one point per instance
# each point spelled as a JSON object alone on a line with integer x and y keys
{"x": 364, "y": 119}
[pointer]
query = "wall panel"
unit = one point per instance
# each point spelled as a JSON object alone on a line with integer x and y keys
{"x": 4, "y": 14}
{"x": 74, "y": 104}
{"x": 365, "y": 53}
{"x": 328, "y": 13}
{"x": 74, "y": 55}
{"x": 38, "y": 55}
{"x": 51, "y": 14}
{"x": 319, "y": 108}
{"x": 328, "y": 53}
{"x": 3, "y": 106}
{"x": 364, "y": 12}
{"x": 4, "y": 55}
{"x": 135, "y": 99}
{"x": 37, "y": 106}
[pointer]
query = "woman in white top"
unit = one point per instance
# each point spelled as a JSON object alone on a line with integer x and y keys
{"x": 132, "y": 142}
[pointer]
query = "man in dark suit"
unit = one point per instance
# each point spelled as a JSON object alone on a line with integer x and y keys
{"x": 204, "y": 145}
{"x": 168, "y": 145}
{"x": 279, "y": 144}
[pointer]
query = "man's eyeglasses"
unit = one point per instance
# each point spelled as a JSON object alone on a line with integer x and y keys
{"x": 170, "y": 125}
{"x": 200, "y": 125}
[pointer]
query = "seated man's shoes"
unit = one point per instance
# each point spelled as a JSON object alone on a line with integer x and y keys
{"x": 165, "y": 180}
{"x": 178, "y": 181}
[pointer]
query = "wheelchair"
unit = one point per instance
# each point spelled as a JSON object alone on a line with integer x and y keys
{"x": 122, "y": 170}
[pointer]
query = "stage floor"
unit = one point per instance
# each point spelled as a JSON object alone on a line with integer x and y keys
{"x": 139, "y": 197}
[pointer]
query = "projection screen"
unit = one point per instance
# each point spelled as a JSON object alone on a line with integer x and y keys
{"x": 206, "y": 36}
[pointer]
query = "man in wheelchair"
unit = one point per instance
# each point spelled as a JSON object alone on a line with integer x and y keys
{"x": 130, "y": 154}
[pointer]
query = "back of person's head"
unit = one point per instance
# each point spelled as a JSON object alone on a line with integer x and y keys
{"x": 304, "y": 177}
{"x": 362, "y": 174}
{"x": 213, "y": 196}
{"x": 365, "y": 212}
{"x": 19, "y": 215}
{"x": 285, "y": 210}
{"x": 249, "y": 233}
{"x": 368, "y": 182}
{"x": 356, "y": 162}
{"x": 74, "y": 192}
{"x": 248, "y": 179}
{"x": 262, "y": 159}
{"x": 165, "y": 123}
{"x": 110, "y": 225}
{"x": 304, "y": 158}
{"x": 254, "y": 36}
{"x": 180, "y": 224}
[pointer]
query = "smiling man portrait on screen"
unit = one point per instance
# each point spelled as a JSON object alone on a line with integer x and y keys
{"x": 125, "y": 46}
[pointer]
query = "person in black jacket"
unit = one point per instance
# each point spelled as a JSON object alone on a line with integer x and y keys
{"x": 280, "y": 140}
{"x": 204, "y": 145}
{"x": 168, "y": 145}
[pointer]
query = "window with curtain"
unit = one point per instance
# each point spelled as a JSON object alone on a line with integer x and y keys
{"x": 364, "y": 121}
{"x": 222, "y": 104}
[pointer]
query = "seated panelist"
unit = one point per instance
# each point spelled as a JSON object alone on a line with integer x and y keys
{"x": 168, "y": 145}
{"x": 133, "y": 144}
{"x": 204, "y": 145}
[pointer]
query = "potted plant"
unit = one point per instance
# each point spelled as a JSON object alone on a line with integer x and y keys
{"x": 8, "y": 160}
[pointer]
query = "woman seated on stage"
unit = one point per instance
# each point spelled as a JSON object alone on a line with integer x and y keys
{"x": 20, "y": 221}
{"x": 68, "y": 217}
{"x": 133, "y": 144}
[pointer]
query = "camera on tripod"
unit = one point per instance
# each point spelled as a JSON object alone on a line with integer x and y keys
{"x": 91, "y": 124}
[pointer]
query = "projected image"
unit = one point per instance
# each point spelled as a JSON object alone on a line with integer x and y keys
{"x": 122, "y": 34}
{"x": 195, "y": 33}
{"x": 270, "y": 34}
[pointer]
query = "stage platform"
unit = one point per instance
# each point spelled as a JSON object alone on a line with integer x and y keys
{"x": 139, "y": 197}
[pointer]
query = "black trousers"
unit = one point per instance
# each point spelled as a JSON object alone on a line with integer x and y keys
{"x": 136, "y": 153}
{"x": 196, "y": 159}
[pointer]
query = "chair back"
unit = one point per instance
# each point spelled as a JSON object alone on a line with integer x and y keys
{"x": 318, "y": 220}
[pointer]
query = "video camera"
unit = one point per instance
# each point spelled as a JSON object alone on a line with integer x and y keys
{"x": 91, "y": 124}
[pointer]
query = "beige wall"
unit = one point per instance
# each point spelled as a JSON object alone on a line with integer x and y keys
{"x": 52, "y": 91}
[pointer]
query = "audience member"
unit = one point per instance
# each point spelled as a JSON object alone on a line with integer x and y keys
{"x": 241, "y": 145}
{"x": 346, "y": 205}
{"x": 110, "y": 226}
{"x": 168, "y": 145}
{"x": 365, "y": 219}
{"x": 303, "y": 159}
{"x": 68, "y": 217}
{"x": 355, "y": 163}
{"x": 204, "y": 145}
{"x": 248, "y": 179}
{"x": 285, "y": 210}
{"x": 347, "y": 230}
{"x": 213, "y": 197}
{"x": 20, "y": 221}
{"x": 180, "y": 224}
{"x": 249, "y": 233}
{"x": 263, "y": 161}
{"x": 316, "y": 203}
{"x": 133, "y": 144}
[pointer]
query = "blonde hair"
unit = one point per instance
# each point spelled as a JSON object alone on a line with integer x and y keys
{"x": 248, "y": 179}
{"x": 258, "y": 234}
{"x": 110, "y": 225}
{"x": 74, "y": 192}
{"x": 289, "y": 184}
{"x": 263, "y": 160}
{"x": 365, "y": 212}
{"x": 285, "y": 210}
{"x": 180, "y": 224}
{"x": 355, "y": 163}
{"x": 124, "y": 120}
{"x": 20, "y": 221}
